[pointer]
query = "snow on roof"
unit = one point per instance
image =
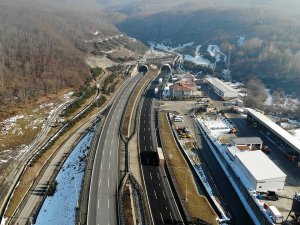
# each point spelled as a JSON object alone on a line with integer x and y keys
{"x": 247, "y": 140}
{"x": 222, "y": 86}
{"x": 259, "y": 165}
{"x": 286, "y": 136}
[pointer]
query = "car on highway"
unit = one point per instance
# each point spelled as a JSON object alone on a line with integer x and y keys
{"x": 266, "y": 149}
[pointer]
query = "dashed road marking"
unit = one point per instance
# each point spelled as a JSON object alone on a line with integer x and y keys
{"x": 155, "y": 194}
{"x": 164, "y": 195}
{"x": 162, "y": 219}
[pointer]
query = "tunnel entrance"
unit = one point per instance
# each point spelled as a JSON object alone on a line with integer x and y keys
{"x": 166, "y": 68}
{"x": 143, "y": 69}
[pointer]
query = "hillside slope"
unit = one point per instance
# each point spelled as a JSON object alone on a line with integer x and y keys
{"x": 271, "y": 49}
{"x": 42, "y": 47}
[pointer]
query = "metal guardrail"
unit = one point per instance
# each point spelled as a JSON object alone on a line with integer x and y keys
{"x": 83, "y": 201}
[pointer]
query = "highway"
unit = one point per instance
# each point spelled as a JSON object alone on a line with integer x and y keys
{"x": 102, "y": 206}
{"x": 162, "y": 203}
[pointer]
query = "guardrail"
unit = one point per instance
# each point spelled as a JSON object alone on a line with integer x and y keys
{"x": 81, "y": 216}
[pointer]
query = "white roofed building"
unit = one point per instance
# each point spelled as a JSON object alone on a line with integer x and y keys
{"x": 223, "y": 90}
{"x": 258, "y": 172}
{"x": 275, "y": 132}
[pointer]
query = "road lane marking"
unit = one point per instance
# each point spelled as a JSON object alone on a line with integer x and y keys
{"x": 109, "y": 166}
{"x": 98, "y": 203}
{"x": 150, "y": 138}
{"x": 108, "y": 182}
{"x": 151, "y": 175}
{"x": 164, "y": 195}
{"x": 144, "y": 138}
{"x": 101, "y": 167}
{"x": 107, "y": 203}
{"x": 171, "y": 217}
{"x": 162, "y": 219}
{"x": 99, "y": 182}
{"x": 110, "y": 152}
{"x": 155, "y": 194}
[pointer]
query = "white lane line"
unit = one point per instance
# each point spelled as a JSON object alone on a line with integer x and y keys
{"x": 144, "y": 129}
{"x": 107, "y": 203}
{"x": 110, "y": 152}
{"x": 98, "y": 204}
{"x": 144, "y": 138}
{"x": 158, "y": 176}
{"x": 113, "y": 132}
{"x": 150, "y": 175}
{"x": 101, "y": 167}
{"x": 171, "y": 217}
{"x": 164, "y": 195}
{"x": 108, "y": 182}
{"x": 105, "y": 142}
{"x": 155, "y": 194}
{"x": 109, "y": 166}
{"x": 162, "y": 219}
{"x": 166, "y": 207}
{"x": 99, "y": 182}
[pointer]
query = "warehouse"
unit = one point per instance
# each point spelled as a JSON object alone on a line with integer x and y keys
{"x": 223, "y": 90}
{"x": 275, "y": 132}
{"x": 258, "y": 172}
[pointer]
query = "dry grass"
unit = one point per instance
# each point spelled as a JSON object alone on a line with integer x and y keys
{"x": 132, "y": 102}
{"x": 32, "y": 172}
{"x": 197, "y": 205}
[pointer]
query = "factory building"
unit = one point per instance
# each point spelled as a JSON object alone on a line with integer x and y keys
{"x": 258, "y": 172}
{"x": 223, "y": 90}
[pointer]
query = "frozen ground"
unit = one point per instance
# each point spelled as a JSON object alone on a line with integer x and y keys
{"x": 61, "y": 208}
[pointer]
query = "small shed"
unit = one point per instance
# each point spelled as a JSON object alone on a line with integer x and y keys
{"x": 254, "y": 143}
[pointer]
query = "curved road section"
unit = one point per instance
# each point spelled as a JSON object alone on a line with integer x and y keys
{"x": 102, "y": 206}
{"x": 162, "y": 203}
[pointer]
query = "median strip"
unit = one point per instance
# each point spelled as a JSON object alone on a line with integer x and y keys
{"x": 197, "y": 205}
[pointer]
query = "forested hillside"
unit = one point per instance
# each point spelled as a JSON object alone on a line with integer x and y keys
{"x": 42, "y": 47}
{"x": 270, "y": 50}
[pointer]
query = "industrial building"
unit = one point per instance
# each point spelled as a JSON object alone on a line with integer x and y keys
{"x": 258, "y": 172}
{"x": 276, "y": 133}
{"x": 223, "y": 90}
{"x": 247, "y": 143}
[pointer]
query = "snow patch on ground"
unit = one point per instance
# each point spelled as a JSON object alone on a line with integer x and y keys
{"x": 197, "y": 60}
{"x": 296, "y": 133}
{"x": 60, "y": 208}
{"x": 269, "y": 99}
{"x": 241, "y": 40}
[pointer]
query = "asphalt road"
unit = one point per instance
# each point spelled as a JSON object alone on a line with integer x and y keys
{"x": 162, "y": 203}
{"x": 102, "y": 206}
